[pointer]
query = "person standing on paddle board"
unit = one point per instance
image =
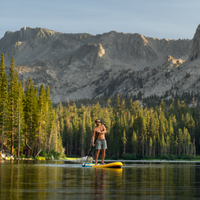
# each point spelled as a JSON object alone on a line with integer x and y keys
{"x": 101, "y": 144}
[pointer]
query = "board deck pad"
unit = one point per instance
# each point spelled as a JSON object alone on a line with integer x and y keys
{"x": 109, "y": 165}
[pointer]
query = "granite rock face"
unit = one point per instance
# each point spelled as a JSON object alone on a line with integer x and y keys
{"x": 195, "y": 50}
{"x": 79, "y": 66}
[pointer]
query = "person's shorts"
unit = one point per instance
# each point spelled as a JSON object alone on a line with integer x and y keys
{"x": 101, "y": 144}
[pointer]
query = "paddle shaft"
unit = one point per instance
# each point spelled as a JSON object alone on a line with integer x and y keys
{"x": 92, "y": 145}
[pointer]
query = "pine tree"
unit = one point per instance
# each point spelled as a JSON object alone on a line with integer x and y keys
{"x": 56, "y": 132}
{"x": 150, "y": 146}
{"x": 42, "y": 117}
{"x": 171, "y": 136}
{"x": 71, "y": 139}
{"x": 31, "y": 116}
{"x": 83, "y": 132}
{"x": 154, "y": 145}
{"x": 3, "y": 98}
{"x": 180, "y": 141}
{"x": 187, "y": 141}
{"x": 50, "y": 115}
{"x": 107, "y": 121}
{"x": 131, "y": 106}
{"x": 134, "y": 142}
{"x": 12, "y": 103}
{"x": 75, "y": 123}
{"x": 20, "y": 114}
{"x": 51, "y": 140}
{"x": 118, "y": 108}
{"x": 162, "y": 145}
{"x": 124, "y": 140}
{"x": 61, "y": 113}
{"x": 140, "y": 125}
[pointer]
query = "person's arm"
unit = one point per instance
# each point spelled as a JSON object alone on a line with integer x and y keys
{"x": 93, "y": 136}
{"x": 104, "y": 129}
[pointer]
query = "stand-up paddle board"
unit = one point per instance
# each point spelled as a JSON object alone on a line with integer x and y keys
{"x": 109, "y": 165}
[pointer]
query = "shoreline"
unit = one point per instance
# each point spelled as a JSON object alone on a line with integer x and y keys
{"x": 142, "y": 161}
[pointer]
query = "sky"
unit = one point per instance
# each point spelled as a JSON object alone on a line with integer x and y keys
{"x": 172, "y": 19}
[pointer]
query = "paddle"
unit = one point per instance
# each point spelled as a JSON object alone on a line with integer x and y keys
{"x": 91, "y": 148}
{"x": 92, "y": 145}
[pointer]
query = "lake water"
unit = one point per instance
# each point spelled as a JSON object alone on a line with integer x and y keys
{"x": 64, "y": 180}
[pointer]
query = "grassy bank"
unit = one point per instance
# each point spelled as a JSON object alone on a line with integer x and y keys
{"x": 44, "y": 155}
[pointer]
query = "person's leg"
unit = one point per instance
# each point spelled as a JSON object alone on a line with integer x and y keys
{"x": 104, "y": 147}
{"x": 96, "y": 156}
{"x": 103, "y": 153}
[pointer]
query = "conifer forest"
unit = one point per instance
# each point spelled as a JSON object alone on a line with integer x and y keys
{"x": 27, "y": 116}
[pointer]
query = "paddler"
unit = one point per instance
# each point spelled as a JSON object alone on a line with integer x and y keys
{"x": 101, "y": 144}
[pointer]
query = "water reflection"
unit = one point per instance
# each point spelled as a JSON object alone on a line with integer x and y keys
{"x": 99, "y": 181}
{"x": 60, "y": 180}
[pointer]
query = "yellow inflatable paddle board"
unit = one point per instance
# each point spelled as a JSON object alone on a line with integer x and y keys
{"x": 109, "y": 165}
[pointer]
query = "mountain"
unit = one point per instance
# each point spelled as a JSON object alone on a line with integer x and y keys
{"x": 79, "y": 66}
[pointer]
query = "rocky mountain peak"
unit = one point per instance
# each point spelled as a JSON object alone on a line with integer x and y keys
{"x": 195, "y": 47}
{"x": 86, "y": 66}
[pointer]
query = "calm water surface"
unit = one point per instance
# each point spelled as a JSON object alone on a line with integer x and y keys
{"x": 63, "y": 180}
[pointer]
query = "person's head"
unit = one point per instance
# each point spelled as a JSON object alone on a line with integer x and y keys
{"x": 97, "y": 122}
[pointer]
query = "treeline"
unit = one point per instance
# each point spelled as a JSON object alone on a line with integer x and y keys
{"x": 151, "y": 101}
{"x": 132, "y": 129}
{"x": 26, "y": 115}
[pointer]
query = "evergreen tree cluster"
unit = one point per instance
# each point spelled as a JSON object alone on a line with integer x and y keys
{"x": 25, "y": 115}
{"x": 133, "y": 129}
